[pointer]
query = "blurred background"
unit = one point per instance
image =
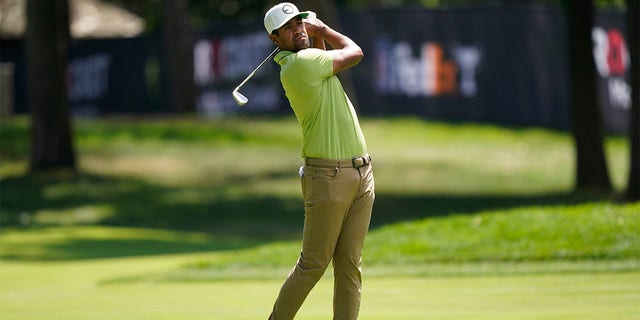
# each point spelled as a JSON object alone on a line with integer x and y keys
{"x": 505, "y": 138}
{"x": 504, "y": 62}
{"x": 513, "y": 63}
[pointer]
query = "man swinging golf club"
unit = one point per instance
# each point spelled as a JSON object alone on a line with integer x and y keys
{"x": 337, "y": 179}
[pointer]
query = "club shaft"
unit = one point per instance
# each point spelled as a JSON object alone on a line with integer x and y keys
{"x": 276, "y": 50}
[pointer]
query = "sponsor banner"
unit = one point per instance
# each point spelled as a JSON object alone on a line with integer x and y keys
{"x": 612, "y": 59}
{"x": 223, "y": 61}
{"x": 506, "y": 65}
{"x": 107, "y": 76}
{"x": 103, "y": 75}
{"x": 502, "y": 65}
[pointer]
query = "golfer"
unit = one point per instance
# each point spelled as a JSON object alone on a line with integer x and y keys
{"x": 337, "y": 179}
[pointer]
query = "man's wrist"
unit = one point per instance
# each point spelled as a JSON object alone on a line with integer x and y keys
{"x": 322, "y": 31}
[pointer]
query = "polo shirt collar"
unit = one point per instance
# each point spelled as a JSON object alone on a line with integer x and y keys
{"x": 281, "y": 55}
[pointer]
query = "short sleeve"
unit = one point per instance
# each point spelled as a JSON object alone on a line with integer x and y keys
{"x": 315, "y": 63}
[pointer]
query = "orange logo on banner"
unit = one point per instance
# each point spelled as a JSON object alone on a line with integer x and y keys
{"x": 433, "y": 72}
{"x": 442, "y": 74}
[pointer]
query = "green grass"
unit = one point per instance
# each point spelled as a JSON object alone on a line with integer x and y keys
{"x": 579, "y": 232}
{"x": 73, "y": 290}
{"x": 81, "y": 289}
{"x": 189, "y": 218}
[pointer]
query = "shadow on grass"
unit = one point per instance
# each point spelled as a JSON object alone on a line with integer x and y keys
{"x": 233, "y": 222}
{"x": 76, "y": 246}
{"x": 133, "y": 202}
{"x": 51, "y": 206}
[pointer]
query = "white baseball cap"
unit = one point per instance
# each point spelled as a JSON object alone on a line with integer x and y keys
{"x": 280, "y": 14}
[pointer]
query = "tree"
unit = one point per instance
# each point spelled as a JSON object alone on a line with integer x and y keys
{"x": 47, "y": 40}
{"x": 178, "y": 54}
{"x": 587, "y": 126}
{"x": 633, "y": 30}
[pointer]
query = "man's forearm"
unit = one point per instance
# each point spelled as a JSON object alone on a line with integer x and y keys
{"x": 347, "y": 53}
{"x": 337, "y": 40}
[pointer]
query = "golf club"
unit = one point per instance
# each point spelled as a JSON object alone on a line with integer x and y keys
{"x": 240, "y": 99}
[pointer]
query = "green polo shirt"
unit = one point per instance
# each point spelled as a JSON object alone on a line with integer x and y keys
{"x": 330, "y": 127}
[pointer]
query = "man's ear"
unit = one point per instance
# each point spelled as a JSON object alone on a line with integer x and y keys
{"x": 274, "y": 39}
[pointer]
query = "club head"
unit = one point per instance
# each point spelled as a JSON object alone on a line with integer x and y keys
{"x": 240, "y": 99}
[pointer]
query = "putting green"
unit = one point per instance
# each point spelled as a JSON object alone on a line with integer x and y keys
{"x": 81, "y": 290}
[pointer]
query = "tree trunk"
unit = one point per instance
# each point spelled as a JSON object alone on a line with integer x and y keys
{"x": 587, "y": 127}
{"x": 47, "y": 40}
{"x": 633, "y": 31}
{"x": 178, "y": 55}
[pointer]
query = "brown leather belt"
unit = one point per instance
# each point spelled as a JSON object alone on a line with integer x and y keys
{"x": 356, "y": 162}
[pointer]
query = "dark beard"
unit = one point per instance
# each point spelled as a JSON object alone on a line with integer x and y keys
{"x": 305, "y": 45}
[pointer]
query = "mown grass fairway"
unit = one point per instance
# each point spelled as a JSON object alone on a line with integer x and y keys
{"x": 201, "y": 219}
{"x": 73, "y": 290}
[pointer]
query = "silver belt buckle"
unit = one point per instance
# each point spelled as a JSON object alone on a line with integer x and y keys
{"x": 359, "y": 162}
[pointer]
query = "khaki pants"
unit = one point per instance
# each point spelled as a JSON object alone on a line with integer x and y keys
{"x": 338, "y": 199}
